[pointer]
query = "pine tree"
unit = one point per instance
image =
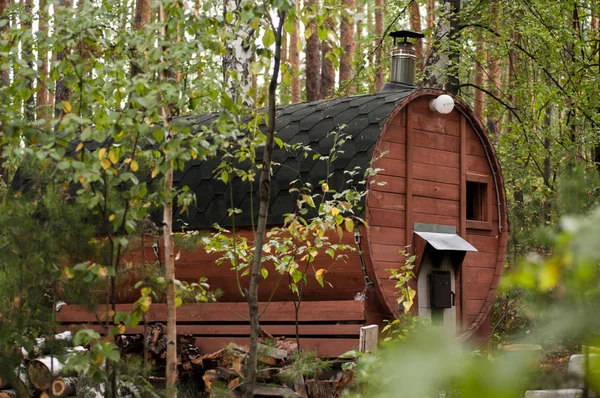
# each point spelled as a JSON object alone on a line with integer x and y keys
{"x": 347, "y": 41}
{"x": 312, "y": 54}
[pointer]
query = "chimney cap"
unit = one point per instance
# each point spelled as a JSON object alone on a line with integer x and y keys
{"x": 406, "y": 34}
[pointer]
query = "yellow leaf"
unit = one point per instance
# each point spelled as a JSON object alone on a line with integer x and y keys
{"x": 113, "y": 157}
{"x": 134, "y": 165}
{"x": 340, "y": 231}
{"x": 101, "y": 153}
{"x": 111, "y": 217}
{"x": 79, "y": 147}
{"x": 102, "y": 271}
{"x": 105, "y": 164}
{"x": 121, "y": 328}
{"x": 68, "y": 273}
{"x": 349, "y": 224}
{"x": 325, "y": 187}
{"x": 155, "y": 172}
{"x": 66, "y": 106}
{"x": 81, "y": 180}
{"x": 320, "y": 272}
{"x": 335, "y": 211}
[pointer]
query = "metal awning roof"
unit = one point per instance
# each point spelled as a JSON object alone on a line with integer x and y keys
{"x": 444, "y": 241}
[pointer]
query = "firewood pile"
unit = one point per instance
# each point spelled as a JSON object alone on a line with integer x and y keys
{"x": 216, "y": 374}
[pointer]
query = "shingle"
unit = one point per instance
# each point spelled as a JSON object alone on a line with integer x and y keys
{"x": 309, "y": 121}
{"x": 302, "y": 113}
{"x": 345, "y": 117}
{"x": 372, "y": 105}
{"x": 361, "y": 99}
{"x": 366, "y": 138}
{"x": 334, "y": 110}
{"x": 205, "y": 193}
{"x": 321, "y": 129}
{"x": 289, "y": 131}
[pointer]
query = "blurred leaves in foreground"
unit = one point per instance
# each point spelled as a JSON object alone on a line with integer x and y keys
{"x": 561, "y": 292}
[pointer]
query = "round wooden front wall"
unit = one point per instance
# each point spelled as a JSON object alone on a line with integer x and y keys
{"x": 430, "y": 163}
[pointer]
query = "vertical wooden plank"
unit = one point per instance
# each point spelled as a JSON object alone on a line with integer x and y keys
{"x": 463, "y": 212}
{"x": 409, "y": 175}
{"x": 369, "y": 336}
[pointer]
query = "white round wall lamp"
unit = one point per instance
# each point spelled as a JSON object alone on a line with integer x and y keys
{"x": 443, "y": 104}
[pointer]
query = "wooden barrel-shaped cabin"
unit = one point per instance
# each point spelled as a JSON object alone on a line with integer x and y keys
{"x": 439, "y": 190}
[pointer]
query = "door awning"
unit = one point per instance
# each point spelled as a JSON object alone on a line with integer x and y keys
{"x": 446, "y": 241}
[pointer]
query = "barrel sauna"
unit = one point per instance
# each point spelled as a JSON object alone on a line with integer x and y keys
{"x": 439, "y": 191}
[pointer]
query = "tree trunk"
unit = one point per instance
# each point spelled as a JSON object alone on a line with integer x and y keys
{"x": 27, "y": 53}
{"x": 313, "y": 77}
{"x": 430, "y": 25}
{"x": 4, "y": 74}
{"x": 239, "y": 56}
{"x": 379, "y": 74}
{"x": 264, "y": 195}
{"x": 4, "y": 82}
{"x": 171, "y": 367}
{"x": 327, "y": 69}
{"x": 141, "y": 18}
{"x": 43, "y": 102}
{"x": 415, "y": 26}
{"x": 295, "y": 62}
{"x": 347, "y": 41}
{"x": 478, "y": 98}
{"x": 441, "y": 66}
{"x": 62, "y": 92}
{"x": 493, "y": 86}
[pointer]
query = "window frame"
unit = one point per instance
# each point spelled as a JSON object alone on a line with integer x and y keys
{"x": 489, "y": 201}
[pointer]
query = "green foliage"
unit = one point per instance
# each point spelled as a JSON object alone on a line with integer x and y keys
{"x": 305, "y": 364}
{"x": 403, "y": 276}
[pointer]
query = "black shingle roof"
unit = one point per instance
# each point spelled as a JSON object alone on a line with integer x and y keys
{"x": 310, "y": 124}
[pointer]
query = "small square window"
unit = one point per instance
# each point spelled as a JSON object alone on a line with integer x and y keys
{"x": 477, "y": 201}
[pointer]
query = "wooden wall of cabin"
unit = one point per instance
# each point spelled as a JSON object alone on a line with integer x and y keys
{"x": 429, "y": 159}
{"x": 344, "y": 278}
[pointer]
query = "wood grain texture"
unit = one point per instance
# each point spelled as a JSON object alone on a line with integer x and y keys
{"x": 233, "y": 312}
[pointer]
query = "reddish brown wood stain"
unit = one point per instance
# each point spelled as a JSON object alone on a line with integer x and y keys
{"x": 428, "y": 190}
{"x": 422, "y": 180}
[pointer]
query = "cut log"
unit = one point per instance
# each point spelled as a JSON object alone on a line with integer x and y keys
{"x": 8, "y": 394}
{"x": 64, "y": 386}
{"x": 273, "y": 390}
{"x": 44, "y": 394}
{"x": 320, "y": 389}
{"x": 42, "y": 370}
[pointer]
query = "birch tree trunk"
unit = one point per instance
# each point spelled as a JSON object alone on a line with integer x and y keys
{"x": 264, "y": 195}
{"x": 313, "y": 76}
{"x": 347, "y": 42}
{"x": 171, "y": 368}
{"x": 379, "y": 74}
{"x": 295, "y": 61}
{"x": 237, "y": 61}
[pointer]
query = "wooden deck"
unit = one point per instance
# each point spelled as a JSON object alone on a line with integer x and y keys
{"x": 330, "y": 327}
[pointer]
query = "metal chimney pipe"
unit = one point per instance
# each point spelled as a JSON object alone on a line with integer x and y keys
{"x": 404, "y": 58}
